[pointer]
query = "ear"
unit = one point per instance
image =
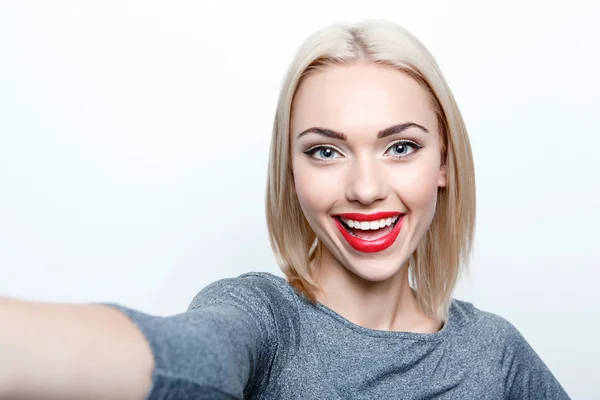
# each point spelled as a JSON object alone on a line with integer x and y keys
{"x": 443, "y": 177}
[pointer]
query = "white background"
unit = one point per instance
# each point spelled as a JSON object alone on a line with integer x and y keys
{"x": 134, "y": 139}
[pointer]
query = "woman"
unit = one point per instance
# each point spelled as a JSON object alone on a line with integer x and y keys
{"x": 371, "y": 211}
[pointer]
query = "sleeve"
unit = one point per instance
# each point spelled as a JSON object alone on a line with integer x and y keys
{"x": 526, "y": 376}
{"x": 215, "y": 348}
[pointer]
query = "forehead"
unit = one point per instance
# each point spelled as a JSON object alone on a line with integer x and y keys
{"x": 363, "y": 97}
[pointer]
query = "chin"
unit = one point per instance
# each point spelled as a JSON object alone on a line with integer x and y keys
{"x": 374, "y": 270}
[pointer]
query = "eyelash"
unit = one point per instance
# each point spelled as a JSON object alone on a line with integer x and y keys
{"x": 313, "y": 150}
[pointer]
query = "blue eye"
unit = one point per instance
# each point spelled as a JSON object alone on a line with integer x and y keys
{"x": 322, "y": 153}
{"x": 402, "y": 148}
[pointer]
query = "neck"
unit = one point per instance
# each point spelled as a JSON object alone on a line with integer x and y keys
{"x": 388, "y": 305}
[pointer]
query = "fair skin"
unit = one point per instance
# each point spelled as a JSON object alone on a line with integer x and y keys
{"x": 401, "y": 172}
{"x": 71, "y": 351}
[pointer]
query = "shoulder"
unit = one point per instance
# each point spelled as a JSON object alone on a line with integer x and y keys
{"x": 252, "y": 288}
{"x": 268, "y": 301}
{"x": 499, "y": 346}
{"x": 495, "y": 340}
{"x": 484, "y": 326}
{"x": 268, "y": 298}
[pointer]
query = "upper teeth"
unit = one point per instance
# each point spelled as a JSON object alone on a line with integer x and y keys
{"x": 369, "y": 225}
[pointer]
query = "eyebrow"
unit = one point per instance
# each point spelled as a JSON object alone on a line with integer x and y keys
{"x": 392, "y": 130}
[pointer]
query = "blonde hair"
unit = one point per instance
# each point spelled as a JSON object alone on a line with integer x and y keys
{"x": 435, "y": 266}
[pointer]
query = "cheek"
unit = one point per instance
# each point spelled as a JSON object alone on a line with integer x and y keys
{"x": 314, "y": 189}
{"x": 418, "y": 190}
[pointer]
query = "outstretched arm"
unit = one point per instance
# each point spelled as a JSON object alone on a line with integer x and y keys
{"x": 221, "y": 347}
{"x": 68, "y": 351}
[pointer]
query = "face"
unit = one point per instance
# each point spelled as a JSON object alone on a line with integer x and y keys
{"x": 367, "y": 166}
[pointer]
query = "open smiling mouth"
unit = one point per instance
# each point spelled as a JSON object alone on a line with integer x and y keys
{"x": 369, "y": 233}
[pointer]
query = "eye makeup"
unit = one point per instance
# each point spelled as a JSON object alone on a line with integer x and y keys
{"x": 399, "y": 149}
{"x": 406, "y": 144}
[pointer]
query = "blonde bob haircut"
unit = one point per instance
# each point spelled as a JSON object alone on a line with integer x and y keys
{"x": 442, "y": 253}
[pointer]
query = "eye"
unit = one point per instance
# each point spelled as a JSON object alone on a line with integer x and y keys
{"x": 323, "y": 153}
{"x": 402, "y": 148}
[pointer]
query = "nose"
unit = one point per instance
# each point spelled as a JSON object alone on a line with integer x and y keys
{"x": 366, "y": 183}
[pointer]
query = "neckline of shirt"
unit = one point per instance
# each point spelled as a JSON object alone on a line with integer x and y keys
{"x": 449, "y": 325}
{"x": 439, "y": 335}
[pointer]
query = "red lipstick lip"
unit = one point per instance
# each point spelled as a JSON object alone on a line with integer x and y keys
{"x": 369, "y": 217}
{"x": 371, "y": 246}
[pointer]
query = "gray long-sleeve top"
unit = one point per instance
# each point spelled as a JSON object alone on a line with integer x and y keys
{"x": 254, "y": 337}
